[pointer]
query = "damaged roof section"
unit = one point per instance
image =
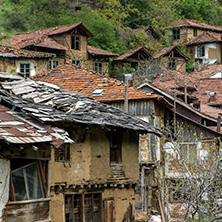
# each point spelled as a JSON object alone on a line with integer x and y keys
{"x": 19, "y": 129}
{"x": 7, "y": 51}
{"x": 47, "y": 103}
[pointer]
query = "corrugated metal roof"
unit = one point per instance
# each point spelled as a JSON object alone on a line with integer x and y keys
{"x": 18, "y": 129}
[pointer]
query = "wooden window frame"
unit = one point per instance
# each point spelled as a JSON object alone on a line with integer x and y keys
{"x": 25, "y": 73}
{"x": 172, "y": 64}
{"x": 62, "y": 154}
{"x": 189, "y": 154}
{"x": 81, "y": 209}
{"x": 176, "y": 34}
{"x": 53, "y": 64}
{"x": 76, "y": 42}
{"x": 200, "y": 51}
{"x": 194, "y": 32}
{"x": 41, "y": 178}
{"x": 115, "y": 141}
{"x": 76, "y": 62}
{"x": 173, "y": 189}
{"x": 98, "y": 67}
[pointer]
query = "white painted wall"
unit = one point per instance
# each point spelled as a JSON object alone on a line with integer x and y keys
{"x": 4, "y": 183}
{"x": 207, "y": 47}
{"x": 32, "y": 66}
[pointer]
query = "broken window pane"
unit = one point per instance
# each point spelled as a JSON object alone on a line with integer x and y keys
{"x": 27, "y": 183}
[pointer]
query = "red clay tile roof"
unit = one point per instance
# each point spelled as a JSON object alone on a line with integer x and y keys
{"x": 133, "y": 51}
{"x": 22, "y": 40}
{"x": 206, "y": 37}
{"x": 194, "y": 24}
{"x": 96, "y": 51}
{"x": 211, "y": 111}
{"x": 73, "y": 78}
{"x": 171, "y": 79}
{"x": 164, "y": 51}
{"x": 7, "y": 51}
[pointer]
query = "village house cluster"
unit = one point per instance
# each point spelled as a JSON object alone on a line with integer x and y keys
{"x": 70, "y": 150}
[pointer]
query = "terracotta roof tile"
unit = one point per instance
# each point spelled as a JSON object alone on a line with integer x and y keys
{"x": 206, "y": 37}
{"x": 42, "y": 37}
{"x": 171, "y": 79}
{"x": 131, "y": 52}
{"x": 194, "y": 24}
{"x": 73, "y": 78}
{"x": 7, "y": 51}
{"x": 166, "y": 50}
{"x": 96, "y": 51}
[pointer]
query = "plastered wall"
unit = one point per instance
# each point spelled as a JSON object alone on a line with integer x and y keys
{"x": 11, "y": 65}
{"x": 4, "y": 184}
{"x": 77, "y": 54}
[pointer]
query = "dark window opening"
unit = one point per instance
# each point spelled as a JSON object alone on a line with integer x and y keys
{"x": 28, "y": 182}
{"x": 177, "y": 189}
{"x": 115, "y": 147}
{"x": 194, "y": 32}
{"x": 75, "y": 207}
{"x": 172, "y": 64}
{"x": 176, "y": 34}
{"x": 53, "y": 64}
{"x": 62, "y": 153}
{"x": 76, "y": 62}
{"x": 25, "y": 69}
{"x": 98, "y": 67}
{"x": 75, "y": 42}
{"x": 200, "y": 51}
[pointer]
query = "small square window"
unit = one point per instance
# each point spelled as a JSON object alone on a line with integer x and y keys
{"x": 53, "y": 64}
{"x": 62, "y": 153}
{"x": 76, "y": 62}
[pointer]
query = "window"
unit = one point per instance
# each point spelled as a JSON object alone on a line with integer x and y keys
{"x": 75, "y": 42}
{"x": 98, "y": 67}
{"x": 26, "y": 183}
{"x": 53, "y": 64}
{"x": 172, "y": 64}
{"x": 177, "y": 190}
{"x": 25, "y": 69}
{"x": 76, "y": 62}
{"x": 194, "y": 32}
{"x": 176, "y": 34}
{"x": 75, "y": 207}
{"x": 62, "y": 153}
{"x": 189, "y": 152}
{"x": 200, "y": 51}
{"x": 115, "y": 147}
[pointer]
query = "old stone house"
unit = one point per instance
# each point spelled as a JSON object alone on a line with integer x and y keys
{"x": 67, "y": 43}
{"x": 206, "y": 48}
{"x": 169, "y": 58}
{"x": 94, "y": 177}
{"x": 29, "y": 63}
{"x": 153, "y": 105}
{"x": 194, "y": 136}
{"x": 185, "y": 30}
{"x": 25, "y": 154}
